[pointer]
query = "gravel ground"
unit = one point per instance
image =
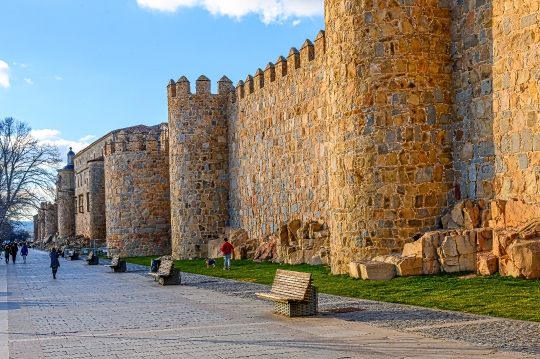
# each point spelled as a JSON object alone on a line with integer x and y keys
{"x": 503, "y": 334}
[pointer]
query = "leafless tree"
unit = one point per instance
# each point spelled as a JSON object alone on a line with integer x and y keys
{"x": 26, "y": 170}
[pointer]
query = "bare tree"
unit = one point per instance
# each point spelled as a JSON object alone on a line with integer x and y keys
{"x": 26, "y": 170}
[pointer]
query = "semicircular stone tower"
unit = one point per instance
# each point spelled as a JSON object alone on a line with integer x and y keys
{"x": 390, "y": 164}
{"x": 199, "y": 165}
{"x": 137, "y": 192}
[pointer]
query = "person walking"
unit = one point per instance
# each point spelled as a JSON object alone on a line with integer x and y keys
{"x": 55, "y": 263}
{"x": 24, "y": 252}
{"x": 6, "y": 252}
{"x": 14, "y": 250}
{"x": 227, "y": 250}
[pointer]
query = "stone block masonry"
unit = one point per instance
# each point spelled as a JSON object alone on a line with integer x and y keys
{"x": 137, "y": 204}
{"x": 199, "y": 165}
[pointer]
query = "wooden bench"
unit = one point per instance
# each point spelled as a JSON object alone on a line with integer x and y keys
{"x": 71, "y": 254}
{"x": 117, "y": 266}
{"x": 92, "y": 259}
{"x": 293, "y": 294}
{"x": 166, "y": 274}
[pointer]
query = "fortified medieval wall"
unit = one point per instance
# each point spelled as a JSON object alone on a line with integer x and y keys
{"x": 199, "y": 165}
{"x": 137, "y": 203}
{"x": 397, "y": 112}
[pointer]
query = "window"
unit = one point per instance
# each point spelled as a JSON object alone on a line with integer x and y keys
{"x": 81, "y": 203}
{"x": 88, "y": 202}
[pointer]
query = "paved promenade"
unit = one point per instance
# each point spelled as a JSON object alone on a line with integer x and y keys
{"x": 89, "y": 312}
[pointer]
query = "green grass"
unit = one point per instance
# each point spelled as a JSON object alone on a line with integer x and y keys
{"x": 497, "y": 296}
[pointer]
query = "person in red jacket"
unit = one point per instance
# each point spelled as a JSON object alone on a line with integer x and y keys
{"x": 227, "y": 250}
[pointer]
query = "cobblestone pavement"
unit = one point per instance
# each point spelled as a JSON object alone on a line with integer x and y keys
{"x": 89, "y": 312}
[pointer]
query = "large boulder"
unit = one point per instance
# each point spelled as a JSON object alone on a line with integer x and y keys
{"x": 525, "y": 255}
{"x": 518, "y": 212}
{"x": 377, "y": 270}
{"x": 507, "y": 267}
{"x": 486, "y": 263}
{"x": 265, "y": 252}
{"x": 457, "y": 253}
{"x": 484, "y": 240}
{"x": 424, "y": 247}
{"x": 430, "y": 266}
{"x": 409, "y": 266}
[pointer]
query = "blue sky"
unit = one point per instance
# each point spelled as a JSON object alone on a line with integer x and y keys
{"x": 75, "y": 69}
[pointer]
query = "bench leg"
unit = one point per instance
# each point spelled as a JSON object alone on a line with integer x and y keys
{"x": 174, "y": 279}
{"x": 122, "y": 267}
{"x": 299, "y": 309}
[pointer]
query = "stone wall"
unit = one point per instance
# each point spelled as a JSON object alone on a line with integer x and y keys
{"x": 199, "y": 166}
{"x": 474, "y": 151}
{"x": 89, "y": 191}
{"x": 47, "y": 221}
{"x": 278, "y": 142}
{"x": 137, "y": 195}
{"x": 390, "y": 108}
{"x": 65, "y": 194}
{"x": 516, "y": 99}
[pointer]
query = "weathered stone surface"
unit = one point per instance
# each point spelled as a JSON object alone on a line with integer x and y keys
{"x": 525, "y": 256}
{"x": 135, "y": 172}
{"x": 517, "y": 213}
{"x": 486, "y": 263}
{"x": 430, "y": 266}
{"x": 484, "y": 240}
{"x": 214, "y": 248}
{"x": 354, "y": 269}
{"x": 265, "y": 252}
{"x": 507, "y": 267}
{"x": 377, "y": 270}
{"x": 409, "y": 266}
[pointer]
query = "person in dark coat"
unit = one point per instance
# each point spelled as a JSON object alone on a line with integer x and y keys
{"x": 55, "y": 263}
{"x": 24, "y": 252}
{"x": 6, "y": 253}
{"x": 14, "y": 250}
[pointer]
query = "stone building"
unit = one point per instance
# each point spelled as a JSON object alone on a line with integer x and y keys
{"x": 394, "y": 113}
{"x": 65, "y": 197}
{"x": 89, "y": 201}
{"x": 47, "y": 222}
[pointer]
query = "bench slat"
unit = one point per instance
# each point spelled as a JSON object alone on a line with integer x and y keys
{"x": 289, "y": 286}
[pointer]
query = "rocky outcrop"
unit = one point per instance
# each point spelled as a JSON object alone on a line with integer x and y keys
{"x": 476, "y": 238}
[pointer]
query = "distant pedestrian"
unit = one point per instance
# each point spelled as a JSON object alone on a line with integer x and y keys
{"x": 6, "y": 253}
{"x": 14, "y": 250}
{"x": 227, "y": 250}
{"x": 24, "y": 252}
{"x": 55, "y": 263}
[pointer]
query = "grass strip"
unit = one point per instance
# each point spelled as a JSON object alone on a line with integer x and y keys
{"x": 497, "y": 296}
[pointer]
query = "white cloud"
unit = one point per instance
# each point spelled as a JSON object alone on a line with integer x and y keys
{"x": 4, "y": 74}
{"x": 86, "y": 138}
{"x": 21, "y": 65}
{"x": 53, "y": 137}
{"x": 269, "y": 10}
{"x": 56, "y": 77}
{"x": 29, "y": 81}
{"x": 45, "y": 134}
{"x": 296, "y": 22}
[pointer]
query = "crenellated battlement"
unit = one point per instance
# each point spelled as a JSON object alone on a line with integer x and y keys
{"x": 153, "y": 141}
{"x": 283, "y": 66}
{"x": 202, "y": 87}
